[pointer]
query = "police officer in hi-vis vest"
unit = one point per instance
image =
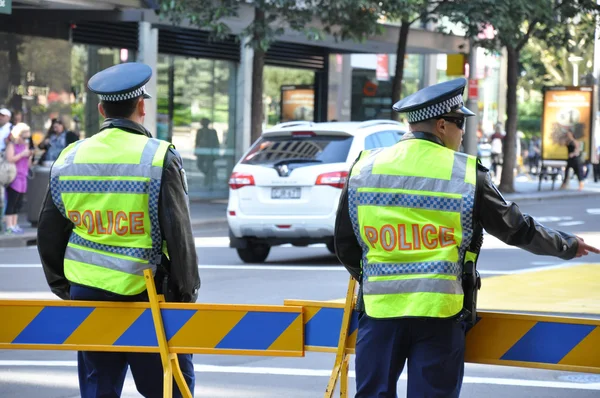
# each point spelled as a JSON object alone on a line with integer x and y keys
{"x": 408, "y": 229}
{"x": 118, "y": 204}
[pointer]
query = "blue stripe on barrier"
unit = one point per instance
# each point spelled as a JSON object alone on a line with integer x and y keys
{"x": 547, "y": 342}
{"x": 53, "y": 325}
{"x": 323, "y": 329}
{"x": 353, "y": 323}
{"x": 257, "y": 330}
{"x": 140, "y": 333}
{"x": 174, "y": 320}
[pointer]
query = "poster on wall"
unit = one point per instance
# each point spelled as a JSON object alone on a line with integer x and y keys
{"x": 566, "y": 109}
{"x": 297, "y": 103}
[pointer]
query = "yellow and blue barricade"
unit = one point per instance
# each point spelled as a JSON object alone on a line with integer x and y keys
{"x": 234, "y": 330}
{"x": 290, "y": 330}
{"x": 154, "y": 327}
{"x": 530, "y": 341}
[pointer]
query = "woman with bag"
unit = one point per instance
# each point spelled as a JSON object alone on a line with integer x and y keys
{"x": 18, "y": 153}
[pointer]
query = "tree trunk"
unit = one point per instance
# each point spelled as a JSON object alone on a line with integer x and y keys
{"x": 399, "y": 73}
{"x": 258, "y": 65}
{"x": 509, "y": 147}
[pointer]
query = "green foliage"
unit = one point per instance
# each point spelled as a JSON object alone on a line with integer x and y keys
{"x": 529, "y": 119}
{"x": 212, "y": 15}
{"x": 344, "y": 19}
{"x": 546, "y": 62}
{"x": 349, "y": 19}
{"x": 516, "y": 21}
{"x": 274, "y": 78}
{"x": 531, "y": 108}
{"x": 410, "y": 10}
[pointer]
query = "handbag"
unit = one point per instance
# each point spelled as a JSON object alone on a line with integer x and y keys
{"x": 8, "y": 170}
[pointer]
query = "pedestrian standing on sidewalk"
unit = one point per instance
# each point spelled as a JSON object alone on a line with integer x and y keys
{"x": 409, "y": 229}
{"x": 18, "y": 153}
{"x": 117, "y": 205}
{"x": 573, "y": 161}
{"x": 497, "y": 143}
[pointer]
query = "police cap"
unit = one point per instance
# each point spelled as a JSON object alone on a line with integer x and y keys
{"x": 434, "y": 101}
{"x": 121, "y": 82}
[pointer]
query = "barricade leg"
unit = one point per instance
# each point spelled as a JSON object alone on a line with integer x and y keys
{"x": 344, "y": 377}
{"x": 169, "y": 360}
{"x": 341, "y": 349}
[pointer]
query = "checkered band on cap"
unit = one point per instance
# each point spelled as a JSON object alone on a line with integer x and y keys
{"x": 138, "y": 92}
{"x": 435, "y": 110}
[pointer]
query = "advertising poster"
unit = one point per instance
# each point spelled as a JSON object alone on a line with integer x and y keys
{"x": 566, "y": 109}
{"x": 297, "y": 103}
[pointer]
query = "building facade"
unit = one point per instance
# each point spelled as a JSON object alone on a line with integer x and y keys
{"x": 200, "y": 87}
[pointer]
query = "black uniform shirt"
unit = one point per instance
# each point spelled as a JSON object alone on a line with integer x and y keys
{"x": 54, "y": 229}
{"x": 498, "y": 217}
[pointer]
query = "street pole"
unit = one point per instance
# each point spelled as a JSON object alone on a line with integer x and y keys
{"x": 575, "y": 60}
{"x": 470, "y": 138}
{"x": 596, "y": 97}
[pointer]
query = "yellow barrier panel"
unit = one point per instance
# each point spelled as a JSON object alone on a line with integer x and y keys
{"x": 340, "y": 367}
{"x": 153, "y": 327}
{"x": 530, "y": 341}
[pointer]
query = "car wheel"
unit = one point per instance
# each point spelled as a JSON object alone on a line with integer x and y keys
{"x": 331, "y": 247}
{"x": 254, "y": 253}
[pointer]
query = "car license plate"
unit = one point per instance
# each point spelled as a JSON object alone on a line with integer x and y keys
{"x": 285, "y": 193}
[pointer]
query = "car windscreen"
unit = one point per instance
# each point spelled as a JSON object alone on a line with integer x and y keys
{"x": 307, "y": 150}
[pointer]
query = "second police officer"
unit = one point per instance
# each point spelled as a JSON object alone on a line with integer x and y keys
{"x": 409, "y": 230}
{"x": 117, "y": 204}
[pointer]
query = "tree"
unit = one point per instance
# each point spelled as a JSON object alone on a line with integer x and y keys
{"x": 407, "y": 12}
{"x": 270, "y": 20}
{"x": 344, "y": 19}
{"x": 543, "y": 64}
{"x": 516, "y": 22}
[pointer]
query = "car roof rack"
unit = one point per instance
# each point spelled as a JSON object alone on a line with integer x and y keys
{"x": 291, "y": 124}
{"x": 375, "y": 122}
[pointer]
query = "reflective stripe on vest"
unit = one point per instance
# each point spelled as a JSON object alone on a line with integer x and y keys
{"x": 411, "y": 207}
{"x": 112, "y": 200}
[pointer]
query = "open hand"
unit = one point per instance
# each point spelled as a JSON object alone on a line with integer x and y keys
{"x": 583, "y": 249}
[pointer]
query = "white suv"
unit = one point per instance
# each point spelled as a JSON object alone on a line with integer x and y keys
{"x": 286, "y": 188}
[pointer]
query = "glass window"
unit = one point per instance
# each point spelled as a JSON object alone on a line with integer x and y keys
{"x": 195, "y": 100}
{"x": 299, "y": 101}
{"x": 372, "y": 141}
{"x": 383, "y": 139}
{"x": 86, "y": 61}
{"x": 35, "y": 81}
{"x": 321, "y": 149}
{"x": 388, "y": 138}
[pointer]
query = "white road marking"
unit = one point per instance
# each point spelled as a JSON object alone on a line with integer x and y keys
{"x": 546, "y": 219}
{"x": 593, "y": 211}
{"x": 20, "y": 265}
{"x": 538, "y": 263}
{"x": 28, "y": 296}
{"x": 34, "y": 379}
{"x": 570, "y": 223}
{"x": 223, "y": 241}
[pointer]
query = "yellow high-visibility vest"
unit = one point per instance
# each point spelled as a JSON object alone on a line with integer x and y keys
{"x": 411, "y": 207}
{"x": 108, "y": 185}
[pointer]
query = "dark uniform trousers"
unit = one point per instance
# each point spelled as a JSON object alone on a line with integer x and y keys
{"x": 102, "y": 374}
{"x": 434, "y": 348}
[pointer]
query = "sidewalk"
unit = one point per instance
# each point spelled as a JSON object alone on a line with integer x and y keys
{"x": 210, "y": 212}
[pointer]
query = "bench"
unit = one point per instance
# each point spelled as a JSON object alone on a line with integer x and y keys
{"x": 550, "y": 169}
